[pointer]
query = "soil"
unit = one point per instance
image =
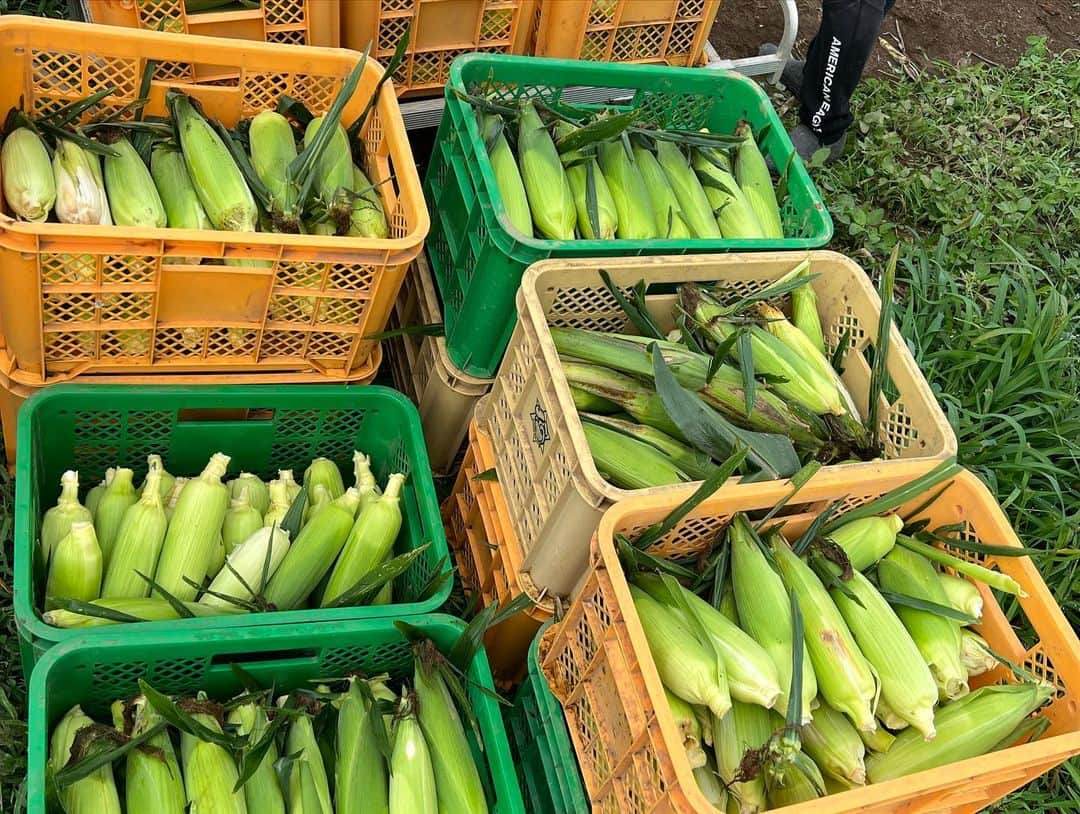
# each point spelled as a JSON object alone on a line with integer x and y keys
{"x": 956, "y": 31}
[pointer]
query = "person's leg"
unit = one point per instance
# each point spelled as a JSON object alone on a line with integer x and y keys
{"x": 835, "y": 62}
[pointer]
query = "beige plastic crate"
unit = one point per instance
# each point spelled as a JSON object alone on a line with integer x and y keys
{"x": 422, "y": 370}
{"x": 554, "y": 492}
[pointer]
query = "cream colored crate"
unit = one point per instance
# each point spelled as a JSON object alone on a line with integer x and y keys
{"x": 554, "y": 492}
{"x": 422, "y": 370}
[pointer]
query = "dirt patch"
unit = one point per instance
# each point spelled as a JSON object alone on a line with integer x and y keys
{"x": 957, "y": 31}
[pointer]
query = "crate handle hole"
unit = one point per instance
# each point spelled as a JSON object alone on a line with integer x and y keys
{"x": 202, "y": 415}
{"x": 269, "y": 656}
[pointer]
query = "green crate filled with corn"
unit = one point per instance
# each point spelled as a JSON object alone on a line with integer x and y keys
{"x": 540, "y": 159}
{"x": 363, "y": 715}
{"x": 220, "y": 508}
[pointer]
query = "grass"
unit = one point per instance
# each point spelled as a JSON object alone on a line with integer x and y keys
{"x": 971, "y": 171}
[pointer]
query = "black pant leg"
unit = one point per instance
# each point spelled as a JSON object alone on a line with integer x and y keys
{"x": 835, "y": 62}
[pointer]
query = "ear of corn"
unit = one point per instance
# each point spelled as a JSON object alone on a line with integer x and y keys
{"x": 312, "y": 553}
{"x": 412, "y": 776}
{"x": 258, "y": 492}
{"x": 966, "y": 728}
{"x": 962, "y": 594}
{"x": 723, "y": 392}
{"x": 75, "y": 567}
{"x": 938, "y": 639}
{"x": 242, "y": 519}
{"x": 273, "y": 149}
{"x": 301, "y": 741}
{"x": 364, "y": 480}
{"x": 581, "y": 170}
{"x": 183, "y": 209}
{"x": 744, "y": 727}
{"x": 80, "y": 195}
{"x": 752, "y": 676}
{"x": 174, "y": 496}
{"x": 221, "y": 188}
{"x": 369, "y": 542}
{"x": 835, "y": 746}
{"x": 696, "y": 209}
{"x": 210, "y": 772}
{"x": 710, "y": 786}
{"x": 696, "y": 465}
{"x": 550, "y": 200}
{"x": 636, "y": 220}
{"x": 29, "y": 185}
{"x": 457, "y": 779}
{"x": 667, "y": 212}
{"x": 627, "y": 462}
{"x": 734, "y": 216}
{"x": 94, "y": 794}
{"x": 507, "y": 178}
{"x": 889, "y": 717}
{"x": 587, "y": 402}
{"x": 318, "y": 497}
{"x": 879, "y": 740}
{"x": 152, "y": 779}
{"x": 93, "y": 497}
{"x": 975, "y": 654}
{"x": 361, "y": 782}
{"x": 194, "y": 531}
{"x": 292, "y": 488}
{"x": 334, "y": 176}
{"x": 634, "y": 397}
{"x": 777, "y": 325}
{"x": 138, "y": 544}
{"x": 765, "y": 613}
{"x": 688, "y": 727}
{"x": 279, "y": 504}
{"x": 133, "y": 197}
{"x": 792, "y": 780}
{"x": 906, "y": 681}
{"x": 368, "y": 215}
{"x": 324, "y": 471}
{"x": 685, "y": 665}
{"x": 262, "y": 791}
{"x": 845, "y": 678}
{"x": 754, "y": 179}
{"x": 245, "y": 566}
{"x": 118, "y": 497}
{"x": 804, "y": 312}
{"x": 57, "y": 521}
{"x": 165, "y": 480}
{"x": 802, "y": 382}
{"x": 868, "y": 539}
{"x": 146, "y": 609}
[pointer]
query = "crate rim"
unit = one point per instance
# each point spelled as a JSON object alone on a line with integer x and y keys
{"x": 38, "y": 724}
{"x": 30, "y": 622}
{"x": 587, "y": 69}
{"x": 236, "y": 49}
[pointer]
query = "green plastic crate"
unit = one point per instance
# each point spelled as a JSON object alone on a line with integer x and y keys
{"x": 93, "y": 671}
{"x": 264, "y": 428}
{"x": 547, "y": 768}
{"x": 478, "y": 258}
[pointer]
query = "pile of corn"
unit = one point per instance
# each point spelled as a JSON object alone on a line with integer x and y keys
{"x": 186, "y": 172}
{"x": 361, "y": 748}
{"x": 180, "y": 547}
{"x": 795, "y": 393}
{"x": 606, "y": 176}
{"x": 883, "y": 689}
